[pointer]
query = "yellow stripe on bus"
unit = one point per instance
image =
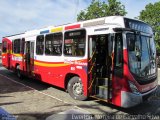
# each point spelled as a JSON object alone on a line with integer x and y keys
{"x": 17, "y": 55}
{"x": 59, "y": 29}
{"x": 4, "y": 53}
{"x": 49, "y": 64}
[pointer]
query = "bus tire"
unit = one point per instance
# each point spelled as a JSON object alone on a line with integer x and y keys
{"x": 18, "y": 72}
{"x": 75, "y": 88}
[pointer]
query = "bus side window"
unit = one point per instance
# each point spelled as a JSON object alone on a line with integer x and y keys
{"x": 22, "y": 45}
{"x": 48, "y": 43}
{"x": 53, "y": 44}
{"x": 40, "y": 45}
{"x": 4, "y": 49}
{"x": 16, "y": 46}
{"x": 74, "y": 43}
{"x": 57, "y": 44}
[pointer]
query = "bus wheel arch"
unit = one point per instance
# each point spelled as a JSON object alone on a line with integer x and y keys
{"x": 74, "y": 86}
{"x": 67, "y": 78}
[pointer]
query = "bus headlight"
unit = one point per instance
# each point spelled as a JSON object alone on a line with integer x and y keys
{"x": 133, "y": 88}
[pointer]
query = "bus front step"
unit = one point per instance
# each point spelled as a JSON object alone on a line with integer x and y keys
{"x": 103, "y": 92}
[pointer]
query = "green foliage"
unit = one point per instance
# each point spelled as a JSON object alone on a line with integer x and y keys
{"x": 100, "y": 9}
{"x": 151, "y": 15}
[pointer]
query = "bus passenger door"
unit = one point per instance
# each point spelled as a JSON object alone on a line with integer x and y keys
{"x": 29, "y": 56}
{"x": 100, "y": 66}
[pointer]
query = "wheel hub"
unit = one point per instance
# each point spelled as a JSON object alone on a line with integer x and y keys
{"x": 77, "y": 89}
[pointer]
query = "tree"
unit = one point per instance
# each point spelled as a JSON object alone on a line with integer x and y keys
{"x": 100, "y": 9}
{"x": 151, "y": 15}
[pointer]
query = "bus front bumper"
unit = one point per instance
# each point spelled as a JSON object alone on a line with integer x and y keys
{"x": 129, "y": 99}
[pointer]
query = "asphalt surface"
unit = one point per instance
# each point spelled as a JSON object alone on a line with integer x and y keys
{"x": 29, "y": 99}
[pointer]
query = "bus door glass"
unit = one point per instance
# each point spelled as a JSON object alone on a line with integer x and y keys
{"x": 29, "y": 48}
{"x": 118, "y": 55}
{"x": 117, "y": 68}
{"x": 27, "y": 56}
{"x": 32, "y": 55}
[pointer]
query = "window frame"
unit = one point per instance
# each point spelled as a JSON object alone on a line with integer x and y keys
{"x": 4, "y": 43}
{"x": 22, "y": 45}
{"x": 43, "y": 45}
{"x": 85, "y": 41}
{"x": 60, "y": 43}
{"x": 17, "y": 46}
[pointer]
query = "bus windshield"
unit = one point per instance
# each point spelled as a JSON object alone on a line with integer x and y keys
{"x": 142, "y": 54}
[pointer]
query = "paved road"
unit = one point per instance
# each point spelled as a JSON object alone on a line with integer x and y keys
{"x": 35, "y": 100}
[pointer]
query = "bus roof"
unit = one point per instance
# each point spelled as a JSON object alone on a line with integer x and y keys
{"x": 110, "y": 20}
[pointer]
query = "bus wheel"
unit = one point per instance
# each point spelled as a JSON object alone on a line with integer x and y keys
{"x": 75, "y": 88}
{"x": 18, "y": 71}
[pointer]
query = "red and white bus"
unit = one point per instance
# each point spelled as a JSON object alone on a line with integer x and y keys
{"x": 111, "y": 59}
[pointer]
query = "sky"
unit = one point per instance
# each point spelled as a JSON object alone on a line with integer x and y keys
{"x": 17, "y": 16}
